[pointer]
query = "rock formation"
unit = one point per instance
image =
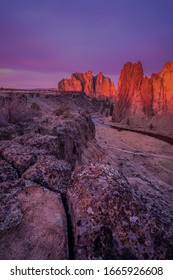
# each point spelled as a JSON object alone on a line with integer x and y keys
{"x": 139, "y": 95}
{"x": 168, "y": 85}
{"x": 104, "y": 86}
{"x": 87, "y": 82}
{"x": 70, "y": 84}
{"x": 112, "y": 221}
{"x": 36, "y": 163}
{"x": 92, "y": 86}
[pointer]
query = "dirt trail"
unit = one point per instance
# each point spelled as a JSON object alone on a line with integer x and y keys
{"x": 138, "y": 157}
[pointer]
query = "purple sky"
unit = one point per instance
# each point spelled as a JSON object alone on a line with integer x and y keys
{"x": 44, "y": 41}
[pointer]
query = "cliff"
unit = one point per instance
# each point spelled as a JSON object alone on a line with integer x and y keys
{"x": 140, "y": 95}
{"x": 70, "y": 84}
{"x": 98, "y": 85}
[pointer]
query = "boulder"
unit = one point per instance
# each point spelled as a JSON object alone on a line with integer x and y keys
{"x": 21, "y": 157}
{"x": 50, "y": 173}
{"x": 112, "y": 221}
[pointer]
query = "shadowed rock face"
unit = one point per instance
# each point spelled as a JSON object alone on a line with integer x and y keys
{"x": 147, "y": 96}
{"x": 140, "y": 95}
{"x": 168, "y": 84}
{"x": 112, "y": 221}
{"x": 92, "y": 85}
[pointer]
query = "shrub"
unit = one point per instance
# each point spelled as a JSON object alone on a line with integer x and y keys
{"x": 62, "y": 110}
{"x": 35, "y": 106}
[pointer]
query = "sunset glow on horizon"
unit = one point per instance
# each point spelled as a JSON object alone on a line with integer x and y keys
{"x": 45, "y": 41}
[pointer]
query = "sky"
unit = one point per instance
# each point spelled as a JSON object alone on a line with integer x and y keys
{"x": 43, "y": 41}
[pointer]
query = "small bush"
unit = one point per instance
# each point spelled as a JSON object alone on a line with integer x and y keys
{"x": 35, "y": 106}
{"x": 66, "y": 114}
{"x": 62, "y": 110}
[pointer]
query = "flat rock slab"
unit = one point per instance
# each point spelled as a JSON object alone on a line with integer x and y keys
{"x": 39, "y": 229}
{"x": 111, "y": 221}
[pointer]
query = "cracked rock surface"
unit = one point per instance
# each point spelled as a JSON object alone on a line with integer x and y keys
{"x": 32, "y": 224}
{"x": 112, "y": 221}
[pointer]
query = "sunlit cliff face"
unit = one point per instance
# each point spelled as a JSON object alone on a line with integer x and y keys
{"x": 98, "y": 85}
{"x": 168, "y": 84}
{"x": 140, "y": 95}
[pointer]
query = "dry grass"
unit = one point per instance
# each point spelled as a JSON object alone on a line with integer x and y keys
{"x": 63, "y": 111}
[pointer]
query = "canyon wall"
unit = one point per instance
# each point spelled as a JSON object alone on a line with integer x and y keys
{"x": 98, "y": 85}
{"x": 139, "y": 95}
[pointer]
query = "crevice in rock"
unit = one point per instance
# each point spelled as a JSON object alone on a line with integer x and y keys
{"x": 70, "y": 234}
{"x": 17, "y": 171}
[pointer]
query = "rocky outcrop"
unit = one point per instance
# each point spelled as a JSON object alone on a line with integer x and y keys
{"x": 87, "y": 82}
{"x": 146, "y": 91}
{"x": 159, "y": 99}
{"x": 36, "y": 162}
{"x": 91, "y": 85}
{"x": 113, "y": 221}
{"x": 71, "y": 84}
{"x": 128, "y": 91}
{"x": 168, "y": 85}
{"x": 51, "y": 173}
{"x": 104, "y": 86}
{"x": 142, "y": 96}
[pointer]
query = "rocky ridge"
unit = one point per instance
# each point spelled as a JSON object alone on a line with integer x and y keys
{"x": 36, "y": 162}
{"x": 140, "y": 96}
{"x": 95, "y": 86}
